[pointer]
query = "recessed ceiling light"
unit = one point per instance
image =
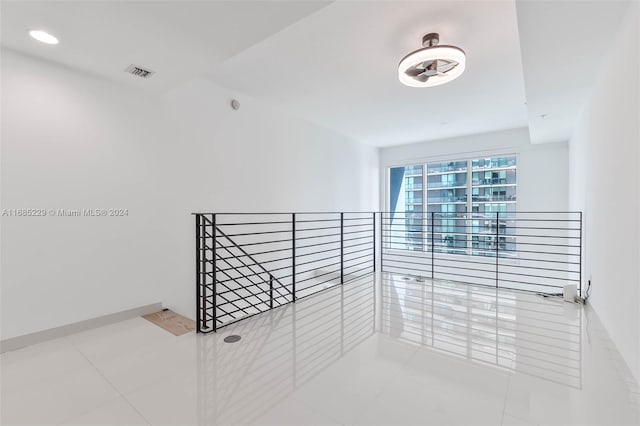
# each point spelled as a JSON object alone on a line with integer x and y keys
{"x": 432, "y": 65}
{"x": 43, "y": 36}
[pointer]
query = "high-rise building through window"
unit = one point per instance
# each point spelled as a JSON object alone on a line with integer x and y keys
{"x": 471, "y": 202}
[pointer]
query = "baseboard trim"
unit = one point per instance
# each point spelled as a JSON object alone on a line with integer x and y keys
{"x": 19, "y": 342}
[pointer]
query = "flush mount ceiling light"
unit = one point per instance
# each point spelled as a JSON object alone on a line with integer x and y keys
{"x": 43, "y": 36}
{"x": 432, "y": 65}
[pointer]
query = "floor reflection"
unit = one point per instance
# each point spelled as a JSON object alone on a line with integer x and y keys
{"x": 280, "y": 351}
{"x": 510, "y": 330}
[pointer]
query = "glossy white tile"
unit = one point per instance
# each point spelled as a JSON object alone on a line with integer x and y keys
{"x": 384, "y": 352}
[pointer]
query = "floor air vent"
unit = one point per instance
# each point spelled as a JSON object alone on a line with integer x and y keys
{"x": 138, "y": 71}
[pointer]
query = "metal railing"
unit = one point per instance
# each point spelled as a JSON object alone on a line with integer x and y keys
{"x": 249, "y": 263}
{"x": 531, "y": 251}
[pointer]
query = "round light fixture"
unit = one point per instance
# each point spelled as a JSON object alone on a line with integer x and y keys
{"x": 43, "y": 36}
{"x": 432, "y": 65}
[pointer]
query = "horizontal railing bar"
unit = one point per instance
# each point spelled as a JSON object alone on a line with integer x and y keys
{"x": 246, "y": 287}
{"x": 502, "y": 250}
{"x": 426, "y": 229}
{"x": 240, "y": 297}
{"x": 276, "y": 213}
{"x": 314, "y": 269}
{"x": 492, "y": 264}
{"x": 359, "y": 244}
{"x": 253, "y": 274}
{"x": 316, "y": 229}
{"x": 238, "y": 308}
{"x": 367, "y": 249}
{"x": 267, "y": 306}
{"x": 353, "y": 225}
{"x": 316, "y": 236}
{"x": 258, "y": 253}
{"x": 255, "y": 244}
{"x": 264, "y": 302}
{"x": 491, "y": 217}
{"x": 479, "y": 234}
{"x": 318, "y": 260}
{"x": 251, "y": 304}
{"x": 317, "y": 252}
{"x": 255, "y": 233}
{"x": 356, "y": 238}
{"x": 318, "y": 244}
{"x": 517, "y": 212}
{"x": 266, "y": 261}
{"x": 317, "y": 220}
{"x": 255, "y": 223}
{"x": 368, "y": 231}
{"x": 487, "y": 235}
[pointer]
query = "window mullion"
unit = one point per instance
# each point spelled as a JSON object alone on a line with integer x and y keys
{"x": 424, "y": 207}
{"x": 468, "y": 222}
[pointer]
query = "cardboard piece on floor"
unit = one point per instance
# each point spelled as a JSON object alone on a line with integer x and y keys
{"x": 172, "y": 322}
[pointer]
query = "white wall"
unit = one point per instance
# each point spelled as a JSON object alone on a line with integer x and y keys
{"x": 604, "y": 181}
{"x": 542, "y": 168}
{"x": 70, "y": 140}
{"x": 73, "y": 141}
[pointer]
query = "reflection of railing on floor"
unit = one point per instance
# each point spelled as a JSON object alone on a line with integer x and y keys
{"x": 280, "y": 352}
{"x": 512, "y": 330}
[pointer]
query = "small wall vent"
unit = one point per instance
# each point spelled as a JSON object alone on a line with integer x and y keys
{"x": 139, "y": 71}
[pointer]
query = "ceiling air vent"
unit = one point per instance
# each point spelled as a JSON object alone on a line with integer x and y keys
{"x": 138, "y": 71}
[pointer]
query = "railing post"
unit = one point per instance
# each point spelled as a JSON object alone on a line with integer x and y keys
{"x": 270, "y": 291}
{"x": 432, "y": 246}
{"x": 198, "y": 275}
{"x": 497, "y": 243}
{"x": 213, "y": 273}
{"x": 579, "y": 257}
{"x": 341, "y": 248}
{"x": 293, "y": 256}
{"x": 381, "y": 243}
{"x": 374, "y": 241}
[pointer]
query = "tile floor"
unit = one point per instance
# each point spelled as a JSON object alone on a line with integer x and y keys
{"x": 385, "y": 352}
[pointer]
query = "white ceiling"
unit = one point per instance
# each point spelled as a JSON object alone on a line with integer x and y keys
{"x": 335, "y": 63}
{"x": 564, "y": 46}
{"x": 177, "y": 39}
{"x": 338, "y": 67}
